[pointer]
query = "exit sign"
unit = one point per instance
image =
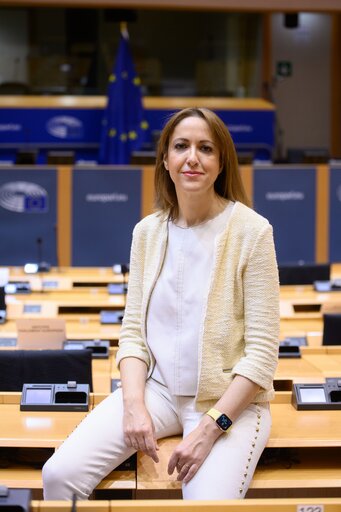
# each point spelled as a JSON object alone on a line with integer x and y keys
{"x": 284, "y": 68}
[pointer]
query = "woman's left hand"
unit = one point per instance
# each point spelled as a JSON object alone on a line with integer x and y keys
{"x": 193, "y": 449}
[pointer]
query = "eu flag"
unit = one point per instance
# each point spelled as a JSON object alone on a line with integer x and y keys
{"x": 124, "y": 126}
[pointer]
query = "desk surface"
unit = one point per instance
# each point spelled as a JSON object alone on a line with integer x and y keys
{"x": 315, "y": 364}
{"x": 82, "y": 327}
{"x": 36, "y": 429}
{"x": 150, "y": 102}
{"x": 70, "y": 276}
{"x": 166, "y": 505}
{"x": 290, "y": 428}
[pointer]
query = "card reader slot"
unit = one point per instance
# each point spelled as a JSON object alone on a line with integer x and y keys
{"x": 70, "y": 397}
{"x": 89, "y": 284}
{"x": 306, "y": 308}
{"x": 98, "y": 349}
{"x": 64, "y": 310}
{"x": 335, "y": 396}
{"x": 292, "y": 349}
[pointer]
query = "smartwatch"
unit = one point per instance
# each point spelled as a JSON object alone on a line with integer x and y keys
{"x": 223, "y": 422}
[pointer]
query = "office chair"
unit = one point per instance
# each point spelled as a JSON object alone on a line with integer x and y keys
{"x": 331, "y": 329}
{"x": 305, "y": 273}
{"x": 19, "y": 367}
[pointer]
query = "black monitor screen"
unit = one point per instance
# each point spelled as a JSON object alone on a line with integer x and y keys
{"x": 303, "y": 273}
{"x": 331, "y": 329}
{"x": 2, "y": 298}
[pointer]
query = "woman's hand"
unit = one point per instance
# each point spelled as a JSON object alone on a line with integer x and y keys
{"x": 193, "y": 449}
{"x": 139, "y": 431}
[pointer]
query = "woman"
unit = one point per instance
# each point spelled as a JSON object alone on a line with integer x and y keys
{"x": 199, "y": 340}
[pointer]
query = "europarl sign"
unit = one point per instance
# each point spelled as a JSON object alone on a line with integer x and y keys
{"x": 106, "y": 206}
{"x": 287, "y": 198}
{"x": 28, "y": 216}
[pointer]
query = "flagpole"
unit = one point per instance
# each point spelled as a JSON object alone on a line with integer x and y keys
{"x": 124, "y": 29}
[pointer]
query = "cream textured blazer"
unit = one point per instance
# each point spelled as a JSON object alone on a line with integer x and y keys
{"x": 241, "y": 324}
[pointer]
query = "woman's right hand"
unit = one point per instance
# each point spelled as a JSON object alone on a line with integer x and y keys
{"x": 139, "y": 431}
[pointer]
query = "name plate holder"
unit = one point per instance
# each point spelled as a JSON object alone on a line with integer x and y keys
{"x": 55, "y": 397}
{"x": 3, "y": 316}
{"x": 290, "y": 347}
{"x": 328, "y": 286}
{"x": 18, "y": 500}
{"x": 117, "y": 288}
{"x": 99, "y": 348}
{"x": 18, "y": 287}
{"x": 111, "y": 317}
{"x": 317, "y": 397}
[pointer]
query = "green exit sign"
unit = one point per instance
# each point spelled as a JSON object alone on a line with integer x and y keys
{"x": 284, "y": 68}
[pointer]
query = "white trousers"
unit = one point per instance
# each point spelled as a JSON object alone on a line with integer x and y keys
{"x": 97, "y": 446}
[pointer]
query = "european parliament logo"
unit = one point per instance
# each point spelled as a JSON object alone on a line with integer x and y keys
{"x": 23, "y": 197}
{"x": 65, "y": 127}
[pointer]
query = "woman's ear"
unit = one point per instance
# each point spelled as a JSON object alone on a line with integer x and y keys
{"x": 165, "y": 164}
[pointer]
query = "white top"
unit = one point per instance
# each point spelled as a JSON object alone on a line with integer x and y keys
{"x": 177, "y": 305}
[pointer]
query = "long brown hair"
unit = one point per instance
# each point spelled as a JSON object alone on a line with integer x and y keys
{"x": 228, "y": 183}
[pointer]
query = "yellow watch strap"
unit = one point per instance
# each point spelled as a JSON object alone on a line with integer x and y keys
{"x": 214, "y": 414}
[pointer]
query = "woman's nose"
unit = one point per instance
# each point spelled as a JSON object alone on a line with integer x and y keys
{"x": 192, "y": 158}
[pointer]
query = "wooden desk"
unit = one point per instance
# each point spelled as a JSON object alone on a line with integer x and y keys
{"x": 317, "y": 435}
{"x": 101, "y": 375}
{"x": 329, "y": 362}
{"x": 66, "y": 278}
{"x": 87, "y": 301}
{"x": 83, "y": 327}
{"x": 315, "y": 364}
{"x": 33, "y": 429}
{"x": 302, "y": 429}
{"x": 250, "y": 505}
{"x": 301, "y": 308}
{"x": 298, "y": 370}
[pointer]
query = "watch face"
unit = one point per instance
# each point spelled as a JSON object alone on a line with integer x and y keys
{"x": 224, "y": 422}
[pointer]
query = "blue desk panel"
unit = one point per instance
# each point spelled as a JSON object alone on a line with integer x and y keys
{"x": 106, "y": 206}
{"x": 287, "y": 198}
{"x": 28, "y": 206}
{"x": 335, "y": 214}
{"x": 79, "y": 129}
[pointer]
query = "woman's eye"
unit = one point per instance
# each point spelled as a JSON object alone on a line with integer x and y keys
{"x": 206, "y": 149}
{"x": 180, "y": 145}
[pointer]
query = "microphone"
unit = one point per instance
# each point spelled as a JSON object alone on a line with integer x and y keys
{"x": 123, "y": 269}
{"x": 40, "y": 266}
{"x": 3, "y": 306}
{"x": 56, "y": 242}
{"x": 74, "y": 506}
{"x": 43, "y": 266}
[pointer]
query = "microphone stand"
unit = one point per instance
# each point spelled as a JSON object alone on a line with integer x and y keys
{"x": 40, "y": 254}
{"x": 124, "y": 272}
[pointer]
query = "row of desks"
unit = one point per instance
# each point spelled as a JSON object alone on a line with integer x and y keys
{"x": 299, "y": 307}
{"x": 317, "y": 434}
{"x": 82, "y": 292}
{"x": 291, "y": 428}
{"x": 252, "y": 505}
{"x": 49, "y": 429}
{"x": 315, "y": 364}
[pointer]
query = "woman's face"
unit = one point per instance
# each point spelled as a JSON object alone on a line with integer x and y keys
{"x": 193, "y": 157}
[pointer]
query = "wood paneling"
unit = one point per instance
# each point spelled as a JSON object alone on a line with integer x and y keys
{"x": 194, "y": 5}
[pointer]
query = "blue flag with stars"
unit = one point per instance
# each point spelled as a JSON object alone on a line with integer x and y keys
{"x": 124, "y": 126}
